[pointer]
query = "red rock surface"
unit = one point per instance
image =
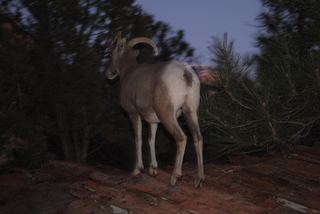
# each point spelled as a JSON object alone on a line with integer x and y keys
{"x": 270, "y": 184}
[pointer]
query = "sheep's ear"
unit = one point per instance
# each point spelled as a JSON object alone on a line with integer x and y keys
{"x": 117, "y": 39}
{"x": 122, "y": 43}
{"x": 136, "y": 52}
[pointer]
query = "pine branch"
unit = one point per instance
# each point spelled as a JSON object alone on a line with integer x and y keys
{"x": 237, "y": 101}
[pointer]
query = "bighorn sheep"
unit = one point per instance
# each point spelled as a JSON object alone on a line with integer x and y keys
{"x": 157, "y": 93}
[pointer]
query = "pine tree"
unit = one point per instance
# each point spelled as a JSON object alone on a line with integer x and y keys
{"x": 297, "y": 19}
{"x": 229, "y": 117}
{"x": 278, "y": 108}
{"x": 288, "y": 63}
{"x": 20, "y": 122}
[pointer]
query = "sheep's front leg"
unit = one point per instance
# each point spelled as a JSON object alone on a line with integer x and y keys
{"x": 152, "y": 137}
{"x": 137, "y": 127}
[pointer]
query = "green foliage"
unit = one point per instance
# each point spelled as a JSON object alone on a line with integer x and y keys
{"x": 245, "y": 117}
{"x": 279, "y": 106}
{"x": 289, "y": 61}
{"x": 235, "y": 117}
{"x": 297, "y": 19}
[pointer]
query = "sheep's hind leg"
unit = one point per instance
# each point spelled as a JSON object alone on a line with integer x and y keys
{"x": 193, "y": 124}
{"x": 173, "y": 127}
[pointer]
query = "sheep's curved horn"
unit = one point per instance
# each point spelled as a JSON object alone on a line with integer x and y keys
{"x": 146, "y": 40}
{"x": 116, "y": 38}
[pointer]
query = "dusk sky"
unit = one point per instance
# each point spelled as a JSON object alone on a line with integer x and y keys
{"x": 202, "y": 19}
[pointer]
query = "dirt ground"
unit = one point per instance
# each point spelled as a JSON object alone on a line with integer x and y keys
{"x": 269, "y": 184}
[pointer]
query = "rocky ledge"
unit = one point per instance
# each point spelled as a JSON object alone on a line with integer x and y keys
{"x": 269, "y": 184}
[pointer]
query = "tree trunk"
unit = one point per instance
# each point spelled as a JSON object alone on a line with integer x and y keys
{"x": 85, "y": 145}
{"x": 63, "y": 133}
{"x": 85, "y": 138}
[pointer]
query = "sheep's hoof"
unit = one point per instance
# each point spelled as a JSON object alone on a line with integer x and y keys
{"x": 136, "y": 175}
{"x": 174, "y": 181}
{"x": 198, "y": 182}
{"x": 137, "y": 172}
{"x": 153, "y": 172}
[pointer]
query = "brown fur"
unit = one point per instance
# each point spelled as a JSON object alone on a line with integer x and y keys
{"x": 188, "y": 77}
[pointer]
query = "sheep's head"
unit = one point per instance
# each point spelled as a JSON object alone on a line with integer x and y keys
{"x": 123, "y": 55}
